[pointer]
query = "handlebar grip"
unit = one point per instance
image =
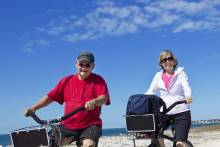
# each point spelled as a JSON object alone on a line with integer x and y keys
{"x": 72, "y": 113}
{"x": 37, "y": 119}
{"x": 42, "y": 122}
{"x": 173, "y": 105}
{"x": 67, "y": 115}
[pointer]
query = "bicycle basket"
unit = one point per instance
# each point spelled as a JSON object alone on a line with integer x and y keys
{"x": 140, "y": 123}
{"x": 29, "y": 137}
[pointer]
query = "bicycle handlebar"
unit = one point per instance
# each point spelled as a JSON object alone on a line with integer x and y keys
{"x": 173, "y": 105}
{"x": 56, "y": 120}
{"x": 37, "y": 119}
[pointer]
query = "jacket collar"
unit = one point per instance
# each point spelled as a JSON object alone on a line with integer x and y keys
{"x": 176, "y": 72}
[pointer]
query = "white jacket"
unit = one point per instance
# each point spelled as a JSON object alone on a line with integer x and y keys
{"x": 178, "y": 89}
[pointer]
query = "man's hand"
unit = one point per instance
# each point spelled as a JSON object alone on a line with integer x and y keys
{"x": 44, "y": 101}
{"x": 28, "y": 112}
{"x": 90, "y": 105}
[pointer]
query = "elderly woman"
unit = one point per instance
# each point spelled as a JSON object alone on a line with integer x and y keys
{"x": 172, "y": 85}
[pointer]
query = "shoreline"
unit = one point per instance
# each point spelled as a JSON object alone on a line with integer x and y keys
{"x": 209, "y": 127}
{"x": 202, "y": 136}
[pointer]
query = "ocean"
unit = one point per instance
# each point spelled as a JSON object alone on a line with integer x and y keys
{"x": 5, "y": 138}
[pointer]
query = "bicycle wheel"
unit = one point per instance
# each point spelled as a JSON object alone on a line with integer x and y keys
{"x": 53, "y": 143}
{"x": 54, "y": 136}
{"x": 189, "y": 144}
{"x": 154, "y": 143}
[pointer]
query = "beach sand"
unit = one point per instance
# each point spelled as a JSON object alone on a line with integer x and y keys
{"x": 206, "y": 136}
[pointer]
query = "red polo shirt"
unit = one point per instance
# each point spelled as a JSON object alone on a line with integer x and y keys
{"x": 75, "y": 93}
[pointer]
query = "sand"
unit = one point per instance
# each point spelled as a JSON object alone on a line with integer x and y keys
{"x": 208, "y": 136}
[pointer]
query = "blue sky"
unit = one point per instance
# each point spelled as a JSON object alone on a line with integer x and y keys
{"x": 41, "y": 39}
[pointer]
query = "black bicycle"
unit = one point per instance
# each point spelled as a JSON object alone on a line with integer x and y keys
{"x": 46, "y": 134}
{"x": 150, "y": 124}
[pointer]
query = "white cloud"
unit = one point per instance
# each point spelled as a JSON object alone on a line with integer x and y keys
{"x": 28, "y": 47}
{"x": 56, "y": 30}
{"x": 183, "y": 6}
{"x": 110, "y": 18}
{"x": 77, "y": 37}
{"x": 196, "y": 25}
{"x": 42, "y": 42}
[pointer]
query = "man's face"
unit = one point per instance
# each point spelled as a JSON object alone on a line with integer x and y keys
{"x": 84, "y": 68}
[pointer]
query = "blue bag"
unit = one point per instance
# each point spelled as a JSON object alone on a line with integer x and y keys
{"x": 140, "y": 104}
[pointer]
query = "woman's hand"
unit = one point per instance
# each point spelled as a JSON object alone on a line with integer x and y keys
{"x": 189, "y": 100}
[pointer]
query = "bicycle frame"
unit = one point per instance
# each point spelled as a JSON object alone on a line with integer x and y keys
{"x": 44, "y": 136}
{"x": 53, "y": 142}
{"x": 154, "y": 135}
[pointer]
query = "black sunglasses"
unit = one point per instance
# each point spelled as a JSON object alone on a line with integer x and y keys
{"x": 167, "y": 59}
{"x": 84, "y": 65}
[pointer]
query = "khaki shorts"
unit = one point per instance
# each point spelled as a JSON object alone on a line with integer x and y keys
{"x": 92, "y": 132}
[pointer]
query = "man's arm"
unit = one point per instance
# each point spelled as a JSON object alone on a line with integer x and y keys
{"x": 99, "y": 101}
{"x": 44, "y": 101}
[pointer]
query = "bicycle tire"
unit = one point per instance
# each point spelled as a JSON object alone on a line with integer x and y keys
{"x": 188, "y": 144}
{"x": 154, "y": 143}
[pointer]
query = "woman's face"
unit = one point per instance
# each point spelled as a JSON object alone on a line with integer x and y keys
{"x": 168, "y": 64}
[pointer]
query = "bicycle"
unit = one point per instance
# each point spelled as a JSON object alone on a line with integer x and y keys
{"x": 149, "y": 125}
{"x": 47, "y": 134}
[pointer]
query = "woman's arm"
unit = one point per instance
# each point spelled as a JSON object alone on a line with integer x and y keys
{"x": 186, "y": 87}
{"x": 153, "y": 86}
